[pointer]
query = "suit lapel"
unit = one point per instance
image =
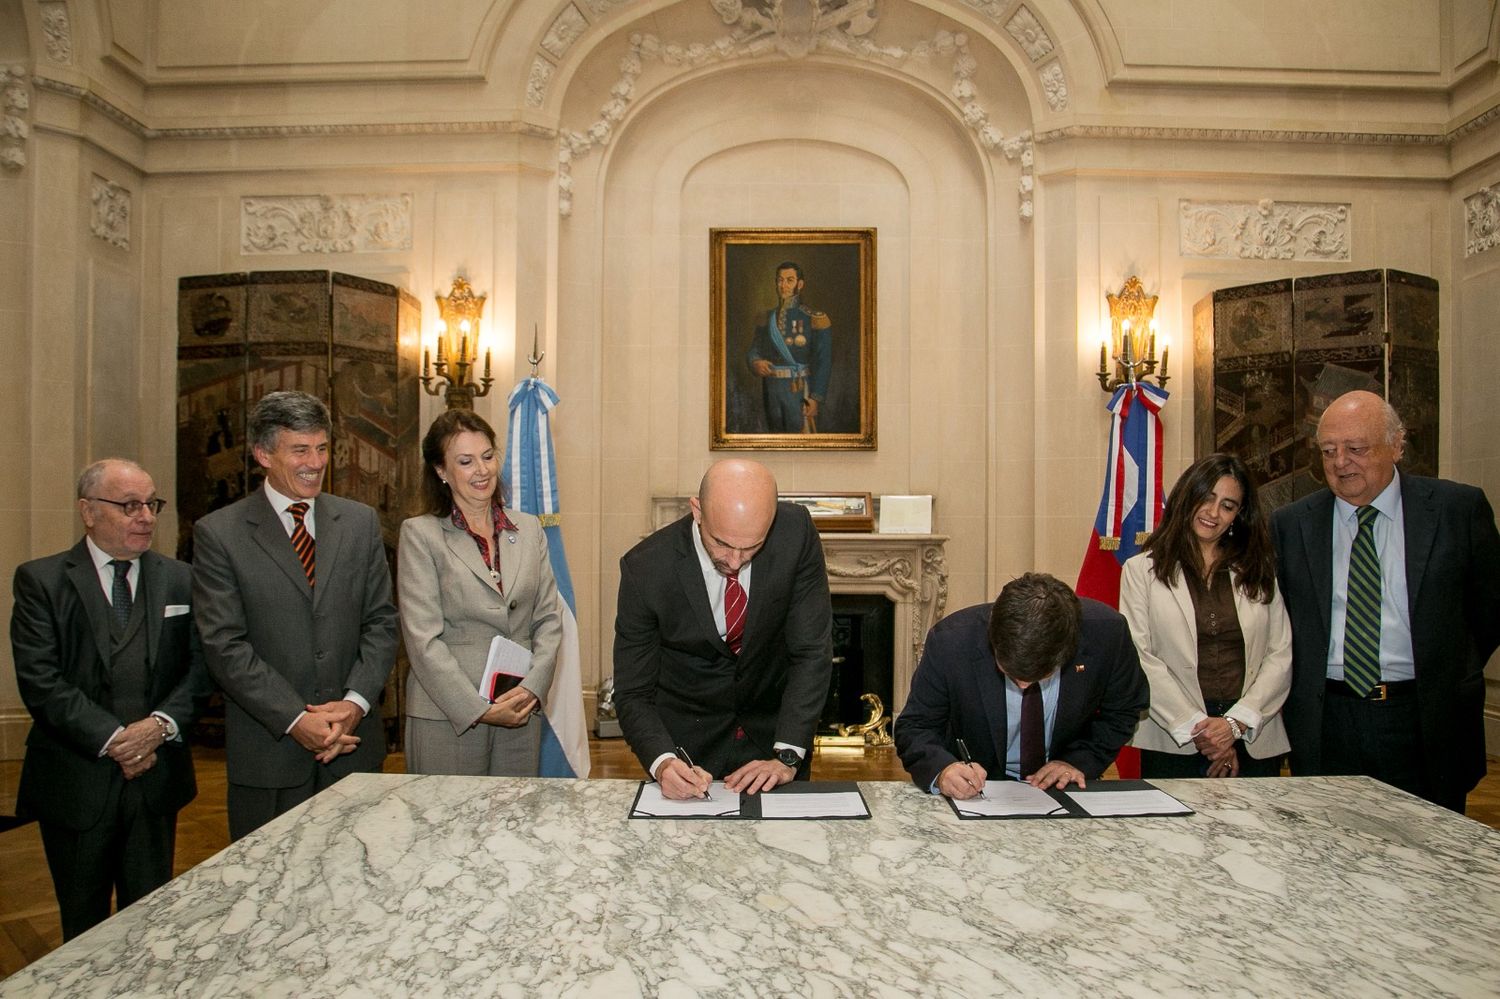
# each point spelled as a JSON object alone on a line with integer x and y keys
{"x": 992, "y": 696}
{"x": 510, "y": 558}
{"x": 1317, "y": 541}
{"x": 268, "y": 532}
{"x": 463, "y": 548}
{"x": 1184, "y": 601}
{"x": 690, "y": 579}
{"x": 151, "y": 596}
{"x": 85, "y": 579}
{"x": 1419, "y": 521}
{"x": 330, "y": 539}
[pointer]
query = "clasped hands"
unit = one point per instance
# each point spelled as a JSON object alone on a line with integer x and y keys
{"x": 680, "y": 781}
{"x": 961, "y": 781}
{"x": 1212, "y": 738}
{"x": 134, "y": 749}
{"x": 511, "y": 709}
{"x": 327, "y": 730}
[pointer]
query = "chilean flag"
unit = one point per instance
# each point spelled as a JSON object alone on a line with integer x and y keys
{"x": 1131, "y": 505}
{"x": 531, "y": 469}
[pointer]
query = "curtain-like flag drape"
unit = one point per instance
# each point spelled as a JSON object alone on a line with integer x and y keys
{"x": 531, "y": 469}
{"x": 1130, "y": 507}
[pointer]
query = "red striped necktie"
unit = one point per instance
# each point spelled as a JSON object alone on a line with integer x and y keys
{"x": 302, "y": 542}
{"x": 735, "y": 602}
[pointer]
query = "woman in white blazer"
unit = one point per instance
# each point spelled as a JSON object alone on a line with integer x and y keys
{"x": 1211, "y": 630}
{"x": 466, "y": 571}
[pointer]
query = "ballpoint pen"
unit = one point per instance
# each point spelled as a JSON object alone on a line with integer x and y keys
{"x": 682, "y": 754}
{"x": 963, "y": 751}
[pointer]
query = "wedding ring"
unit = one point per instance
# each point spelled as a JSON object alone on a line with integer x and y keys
{"x": 136, "y": 760}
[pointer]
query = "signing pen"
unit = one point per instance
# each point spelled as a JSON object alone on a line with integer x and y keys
{"x": 682, "y": 754}
{"x": 963, "y": 751}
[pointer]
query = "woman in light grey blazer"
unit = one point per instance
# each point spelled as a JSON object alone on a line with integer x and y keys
{"x": 466, "y": 571}
{"x": 1211, "y": 630}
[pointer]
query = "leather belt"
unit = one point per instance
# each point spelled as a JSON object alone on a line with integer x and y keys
{"x": 1380, "y": 692}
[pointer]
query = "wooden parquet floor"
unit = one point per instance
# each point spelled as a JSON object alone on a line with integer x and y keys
{"x": 29, "y": 926}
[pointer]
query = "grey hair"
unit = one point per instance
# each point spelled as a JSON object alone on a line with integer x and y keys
{"x": 1394, "y": 428}
{"x": 295, "y": 411}
{"x": 90, "y": 477}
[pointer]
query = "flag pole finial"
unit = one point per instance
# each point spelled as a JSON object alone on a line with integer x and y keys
{"x": 536, "y": 355}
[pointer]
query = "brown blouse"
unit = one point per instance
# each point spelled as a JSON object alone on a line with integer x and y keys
{"x": 1221, "y": 644}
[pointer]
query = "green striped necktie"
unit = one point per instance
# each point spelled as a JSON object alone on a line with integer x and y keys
{"x": 1362, "y": 611}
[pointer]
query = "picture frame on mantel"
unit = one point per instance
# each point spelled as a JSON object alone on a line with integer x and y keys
{"x": 837, "y": 513}
{"x": 809, "y": 386}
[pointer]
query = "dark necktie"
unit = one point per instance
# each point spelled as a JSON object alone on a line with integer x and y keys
{"x": 735, "y": 602}
{"x": 1362, "y": 609}
{"x": 119, "y": 593}
{"x": 302, "y": 542}
{"x": 1033, "y": 731}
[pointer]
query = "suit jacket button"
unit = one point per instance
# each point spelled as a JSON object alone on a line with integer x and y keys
{"x": 512, "y": 605}
{"x": 322, "y": 655}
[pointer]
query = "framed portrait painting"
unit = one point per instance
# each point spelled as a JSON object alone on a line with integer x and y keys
{"x": 792, "y": 324}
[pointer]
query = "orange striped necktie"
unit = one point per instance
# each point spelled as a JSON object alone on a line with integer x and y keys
{"x": 302, "y": 542}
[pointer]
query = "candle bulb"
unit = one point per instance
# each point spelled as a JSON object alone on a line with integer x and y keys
{"x": 1165, "y": 348}
{"x": 486, "y": 364}
{"x": 1151, "y": 348}
{"x": 1103, "y": 356}
{"x": 463, "y": 349}
{"x": 426, "y": 363}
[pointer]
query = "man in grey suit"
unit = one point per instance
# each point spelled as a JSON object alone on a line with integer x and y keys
{"x": 108, "y": 663}
{"x": 293, "y": 600}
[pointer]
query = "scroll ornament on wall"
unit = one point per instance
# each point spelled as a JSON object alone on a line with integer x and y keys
{"x": 110, "y": 217}
{"x": 57, "y": 33}
{"x": 1264, "y": 230}
{"x": 15, "y": 100}
{"x": 326, "y": 223}
{"x": 1481, "y": 221}
{"x": 779, "y": 28}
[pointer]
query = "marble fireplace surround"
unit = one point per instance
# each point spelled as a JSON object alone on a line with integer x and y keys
{"x": 909, "y": 570}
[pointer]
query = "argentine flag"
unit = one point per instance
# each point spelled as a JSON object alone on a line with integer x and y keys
{"x": 531, "y": 469}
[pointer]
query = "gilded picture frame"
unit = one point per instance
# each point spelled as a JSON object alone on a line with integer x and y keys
{"x": 799, "y": 374}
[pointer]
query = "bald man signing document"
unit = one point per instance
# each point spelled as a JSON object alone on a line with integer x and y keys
{"x": 722, "y": 639}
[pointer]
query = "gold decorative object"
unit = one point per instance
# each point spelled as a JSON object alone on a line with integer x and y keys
{"x": 873, "y": 731}
{"x": 1133, "y": 337}
{"x": 457, "y": 349}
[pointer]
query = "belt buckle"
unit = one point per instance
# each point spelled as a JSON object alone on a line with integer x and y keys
{"x": 1378, "y": 693}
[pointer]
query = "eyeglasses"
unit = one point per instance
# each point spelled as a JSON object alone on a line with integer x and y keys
{"x": 133, "y": 508}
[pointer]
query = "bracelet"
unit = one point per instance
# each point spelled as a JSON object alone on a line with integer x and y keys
{"x": 1234, "y": 728}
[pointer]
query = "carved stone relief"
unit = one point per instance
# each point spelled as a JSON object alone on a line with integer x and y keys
{"x": 794, "y": 28}
{"x": 1029, "y": 34}
{"x": 15, "y": 99}
{"x": 1481, "y": 221}
{"x": 326, "y": 223}
{"x": 538, "y": 81}
{"x": 1264, "y": 230}
{"x": 110, "y": 216}
{"x": 564, "y": 31}
{"x": 57, "y": 33}
{"x": 1054, "y": 85}
{"x": 598, "y": 7}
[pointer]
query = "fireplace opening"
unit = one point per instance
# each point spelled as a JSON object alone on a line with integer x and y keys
{"x": 863, "y": 663}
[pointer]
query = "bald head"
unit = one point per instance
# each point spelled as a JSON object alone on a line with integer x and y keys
{"x": 734, "y": 508}
{"x": 1360, "y": 439}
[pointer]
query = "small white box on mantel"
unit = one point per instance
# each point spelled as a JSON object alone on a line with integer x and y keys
{"x": 906, "y": 515}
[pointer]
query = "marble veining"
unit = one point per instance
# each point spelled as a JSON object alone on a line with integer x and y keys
{"x": 398, "y": 885}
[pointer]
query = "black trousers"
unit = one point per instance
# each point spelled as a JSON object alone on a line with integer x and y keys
{"x": 128, "y": 853}
{"x": 252, "y": 807}
{"x": 1158, "y": 764}
{"x": 1380, "y": 739}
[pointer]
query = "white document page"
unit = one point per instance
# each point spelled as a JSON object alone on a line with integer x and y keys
{"x": 813, "y": 805}
{"x": 1108, "y": 803}
{"x": 505, "y": 657}
{"x": 720, "y": 801}
{"x": 1010, "y": 797}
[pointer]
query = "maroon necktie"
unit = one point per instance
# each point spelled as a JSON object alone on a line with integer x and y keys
{"x": 734, "y": 612}
{"x": 302, "y": 542}
{"x": 1033, "y": 731}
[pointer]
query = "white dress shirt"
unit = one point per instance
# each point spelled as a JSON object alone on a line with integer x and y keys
{"x": 1397, "y": 660}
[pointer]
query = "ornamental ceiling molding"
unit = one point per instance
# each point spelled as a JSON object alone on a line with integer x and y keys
{"x": 1264, "y": 230}
{"x": 15, "y": 101}
{"x": 1481, "y": 221}
{"x": 1257, "y": 135}
{"x": 109, "y": 217}
{"x": 325, "y": 223}
{"x": 793, "y": 29}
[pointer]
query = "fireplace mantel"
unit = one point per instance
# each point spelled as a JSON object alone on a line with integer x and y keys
{"x": 909, "y": 570}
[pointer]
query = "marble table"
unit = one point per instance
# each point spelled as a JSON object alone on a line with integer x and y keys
{"x": 393, "y": 885}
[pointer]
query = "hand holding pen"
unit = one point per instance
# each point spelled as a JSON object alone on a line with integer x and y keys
{"x": 963, "y": 780}
{"x": 680, "y": 778}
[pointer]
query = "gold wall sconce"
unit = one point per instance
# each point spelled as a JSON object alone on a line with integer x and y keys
{"x": 1133, "y": 339}
{"x": 457, "y": 349}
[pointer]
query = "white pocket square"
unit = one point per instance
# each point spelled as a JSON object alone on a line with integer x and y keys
{"x": 176, "y": 610}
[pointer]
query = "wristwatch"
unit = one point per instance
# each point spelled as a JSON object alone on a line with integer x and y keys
{"x": 789, "y": 758}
